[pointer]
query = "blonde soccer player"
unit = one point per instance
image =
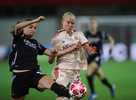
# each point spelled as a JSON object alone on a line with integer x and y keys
{"x": 68, "y": 65}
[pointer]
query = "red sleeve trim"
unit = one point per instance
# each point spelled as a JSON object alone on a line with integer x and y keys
{"x": 56, "y": 35}
{"x": 84, "y": 43}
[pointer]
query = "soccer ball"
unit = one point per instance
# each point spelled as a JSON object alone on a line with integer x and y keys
{"x": 77, "y": 90}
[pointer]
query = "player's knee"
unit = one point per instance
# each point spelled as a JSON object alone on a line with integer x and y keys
{"x": 46, "y": 82}
{"x": 101, "y": 77}
{"x": 87, "y": 73}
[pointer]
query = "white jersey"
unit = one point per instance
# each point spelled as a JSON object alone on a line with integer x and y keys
{"x": 75, "y": 59}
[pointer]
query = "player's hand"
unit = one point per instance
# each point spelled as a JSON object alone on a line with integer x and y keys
{"x": 41, "y": 18}
{"x": 92, "y": 50}
{"x": 77, "y": 47}
{"x": 53, "y": 52}
{"x": 110, "y": 51}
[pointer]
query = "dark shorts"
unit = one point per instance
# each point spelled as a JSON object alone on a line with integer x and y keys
{"x": 21, "y": 82}
{"x": 96, "y": 58}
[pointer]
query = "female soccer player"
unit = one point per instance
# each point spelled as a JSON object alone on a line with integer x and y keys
{"x": 24, "y": 65}
{"x": 95, "y": 38}
{"x": 68, "y": 66}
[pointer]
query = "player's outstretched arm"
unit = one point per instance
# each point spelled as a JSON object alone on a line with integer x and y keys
{"x": 62, "y": 52}
{"x": 74, "y": 48}
{"x": 21, "y": 25}
{"x": 90, "y": 50}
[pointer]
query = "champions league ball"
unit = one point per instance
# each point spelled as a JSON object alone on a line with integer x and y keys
{"x": 77, "y": 90}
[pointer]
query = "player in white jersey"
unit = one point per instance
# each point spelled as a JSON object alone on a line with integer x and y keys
{"x": 68, "y": 66}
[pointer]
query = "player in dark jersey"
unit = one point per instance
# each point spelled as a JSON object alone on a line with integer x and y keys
{"x": 24, "y": 65}
{"x": 95, "y": 38}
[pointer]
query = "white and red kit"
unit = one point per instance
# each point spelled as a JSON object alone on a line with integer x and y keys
{"x": 75, "y": 60}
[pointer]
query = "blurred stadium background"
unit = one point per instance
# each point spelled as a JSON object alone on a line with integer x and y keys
{"x": 117, "y": 17}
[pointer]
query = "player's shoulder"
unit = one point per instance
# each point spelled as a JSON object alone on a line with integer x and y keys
{"x": 77, "y": 31}
{"x": 87, "y": 32}
{"x": 101, "y": 31}
{"x": 34, "y": 40}
{"x": 58, "y": 34}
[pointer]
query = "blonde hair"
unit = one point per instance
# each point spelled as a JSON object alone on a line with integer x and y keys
{"x": 68, "y": 13}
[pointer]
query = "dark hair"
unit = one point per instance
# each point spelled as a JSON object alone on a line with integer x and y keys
{"x": 13, "y": 26}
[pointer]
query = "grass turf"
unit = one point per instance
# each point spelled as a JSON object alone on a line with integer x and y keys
{"x": 122, "y": 74}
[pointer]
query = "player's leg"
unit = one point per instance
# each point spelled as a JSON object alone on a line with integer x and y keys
{"x": 41, "y": 82}
{"x": 67, "y": 78}
{"x": 99, "y": 73}
{"x": 74, "y": 77}
{"x": 89, "y": 74}
{"x": 91, "y": 84}
{"x": 20, "y": 85}
{"x": 48, "y": 83}
{"x": 91, "y": 68}
{"x": 60, "y": 76}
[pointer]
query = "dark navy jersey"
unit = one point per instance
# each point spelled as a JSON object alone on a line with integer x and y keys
{"x": 97, "y": 40}
{"x": 24, "y": 53}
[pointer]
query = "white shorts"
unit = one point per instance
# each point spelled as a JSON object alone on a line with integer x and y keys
{"x": 65, "y": 76}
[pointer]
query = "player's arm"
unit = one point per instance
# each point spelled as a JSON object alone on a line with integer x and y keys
{"x": 69, "y": 50}
{"x": 54, "y": 44}
{"x": 19, "y": 26}
{"x": 111, "y": 40}
{"x": 90, "y": 50}
{"x": 63, "y": 52}
{"x": 52, "y": 54}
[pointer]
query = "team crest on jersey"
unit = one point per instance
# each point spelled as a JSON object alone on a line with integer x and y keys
{"x": 61, "y": 75}
{"x": 76, "y": 38}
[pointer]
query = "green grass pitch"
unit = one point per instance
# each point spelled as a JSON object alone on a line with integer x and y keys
{"x": 122, "y": 74}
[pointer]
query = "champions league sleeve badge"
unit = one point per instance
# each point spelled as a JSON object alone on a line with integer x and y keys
{"x": 76, "y": 38}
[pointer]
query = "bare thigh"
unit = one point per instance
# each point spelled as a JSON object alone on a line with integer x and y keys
{"x": 45, "y": 82}
{"x": 99, "y": 73}
{"x": 92, "y": 67}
